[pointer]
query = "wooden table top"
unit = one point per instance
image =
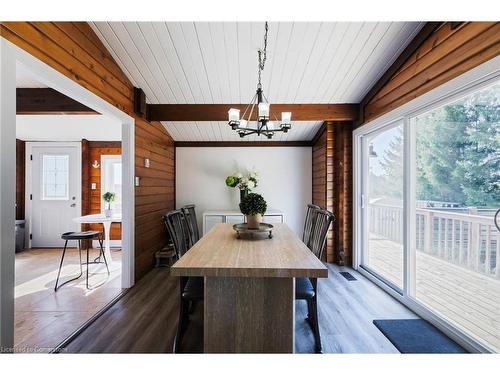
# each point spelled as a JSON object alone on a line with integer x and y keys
{"x": 220, "y": 253}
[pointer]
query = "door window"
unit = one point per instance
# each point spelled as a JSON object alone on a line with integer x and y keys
{"x": 55, "y": 177}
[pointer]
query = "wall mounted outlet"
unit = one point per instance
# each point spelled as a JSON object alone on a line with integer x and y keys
{"x": 146, "y": 163}
{"x": 93, "y": 186}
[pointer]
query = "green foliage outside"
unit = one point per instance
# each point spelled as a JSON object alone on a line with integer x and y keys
{"x": 457, "y": 152}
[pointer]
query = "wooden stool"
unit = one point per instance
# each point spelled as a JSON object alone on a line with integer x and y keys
{"x": 80, "y": 236}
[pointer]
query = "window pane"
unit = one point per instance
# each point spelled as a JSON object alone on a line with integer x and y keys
{"x": 384, "y": 205}
{"x": 458, "y": 191}
{"x": 55, "y": 177}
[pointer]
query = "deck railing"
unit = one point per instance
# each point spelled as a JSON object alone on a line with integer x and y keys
{"x": 470, "y": 240}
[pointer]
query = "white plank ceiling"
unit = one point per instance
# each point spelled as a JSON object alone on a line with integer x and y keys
{"x": 216, "y": 62}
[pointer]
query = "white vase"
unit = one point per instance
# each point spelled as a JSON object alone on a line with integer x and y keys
{"x": 108, "y": 213}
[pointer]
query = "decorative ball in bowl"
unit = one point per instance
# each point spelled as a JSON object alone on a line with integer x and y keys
{"x": 253, "y": 206}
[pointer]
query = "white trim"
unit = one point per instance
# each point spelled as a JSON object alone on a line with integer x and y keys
{"x": 7, "y": 194}
{"x": 9, "y": 55}
{"x": 28, "y": 207}
{"x": 475, "y": 79}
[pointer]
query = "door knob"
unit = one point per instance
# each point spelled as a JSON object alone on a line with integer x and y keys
{"x": 73, "y": 205}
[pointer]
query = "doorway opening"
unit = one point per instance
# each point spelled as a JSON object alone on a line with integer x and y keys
{"x": 58, "y": 189}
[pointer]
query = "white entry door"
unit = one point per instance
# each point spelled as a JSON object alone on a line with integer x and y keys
{"x": 53, "y": 191}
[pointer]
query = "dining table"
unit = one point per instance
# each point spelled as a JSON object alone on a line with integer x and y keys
{"x": 249, "y": 287}
{"x": 106, "y": 222}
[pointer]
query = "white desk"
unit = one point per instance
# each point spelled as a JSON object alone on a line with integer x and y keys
{"x": 210, "y": 218}
{"x": 106, "y": 222}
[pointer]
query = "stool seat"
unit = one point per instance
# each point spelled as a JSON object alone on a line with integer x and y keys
{"x": 88, "y": 235}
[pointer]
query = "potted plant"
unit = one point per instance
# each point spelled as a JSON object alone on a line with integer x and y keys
{"x": 253, "y": 206}
{"x": 109, "y": 198}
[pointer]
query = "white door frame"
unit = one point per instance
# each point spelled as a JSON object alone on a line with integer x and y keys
{"x": 460, "y": 86}
{"x": 28, "y": 206}
{"x": 10, "y": 55}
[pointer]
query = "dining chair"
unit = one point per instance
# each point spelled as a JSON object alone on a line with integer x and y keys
{"x": 307, "y": 288}
{"x": 310, "y": 212}
{"x": 190, "y": 215}
{"x": 191, "y": 288}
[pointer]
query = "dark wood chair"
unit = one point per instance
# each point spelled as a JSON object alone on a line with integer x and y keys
{"x": 191, "y": 288}
{"x": 190, "y": 215}
{"x": 310, "y": 211}
{"x": 81, "y": 236}
{"x": 307, "y": 288}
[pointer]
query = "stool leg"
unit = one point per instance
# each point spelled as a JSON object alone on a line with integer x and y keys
{"x": 87, "y": 281}
{"x": 60, "y": 265}
{"x": 103, "y": 255}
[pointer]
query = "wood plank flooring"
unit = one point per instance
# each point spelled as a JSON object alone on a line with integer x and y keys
{"x": 44, "y": 318}
{"x": 468, "y": 298}
{"x": 145, "y": 319}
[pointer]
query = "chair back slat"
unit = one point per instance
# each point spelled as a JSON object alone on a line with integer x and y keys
{"x": 178, "y": 230}
{"x": 190, "y": 215}
{"x": 308, "y": 223}
{"x": 321, "y": 223}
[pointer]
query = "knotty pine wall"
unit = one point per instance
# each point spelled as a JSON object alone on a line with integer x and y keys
{"x": 444, "y": 55}
{"x": 332, "y": 186}
{"x": 74, "y": 49}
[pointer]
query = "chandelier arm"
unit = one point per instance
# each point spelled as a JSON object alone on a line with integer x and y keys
{"x": 251, "y": 104}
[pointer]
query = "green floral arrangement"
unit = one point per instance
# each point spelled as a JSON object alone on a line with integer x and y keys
{"x": 253, "y": 204}
{"x": 243, "y": 182}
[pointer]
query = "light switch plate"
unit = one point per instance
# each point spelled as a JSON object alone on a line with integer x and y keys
{"x": 137, "y": 181}
{"x": 93, "y": 186}
{"x": 146, "y": 163}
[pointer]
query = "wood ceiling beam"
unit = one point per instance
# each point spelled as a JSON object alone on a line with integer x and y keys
{"x": 218, "y": 112}
{"x": 47, "y": 101}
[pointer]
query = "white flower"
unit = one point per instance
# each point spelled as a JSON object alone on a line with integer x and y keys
{"x": 238, "y": 175}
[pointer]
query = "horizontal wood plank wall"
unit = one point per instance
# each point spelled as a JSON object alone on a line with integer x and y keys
{"x": 339, "y": 179}
{"x": 20, "y": 178}
{"x": 96, "y": 150}
{"x": 74, "y": 49}
{"x": 321, "y": 174}
{"x": 445, "y": 54}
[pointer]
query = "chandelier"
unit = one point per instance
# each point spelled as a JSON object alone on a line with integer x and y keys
{"x": 263, "y": 124}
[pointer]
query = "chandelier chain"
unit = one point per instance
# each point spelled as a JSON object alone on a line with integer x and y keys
{"x": 263, "y": 54}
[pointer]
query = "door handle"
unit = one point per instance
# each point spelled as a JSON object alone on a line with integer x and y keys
{"x": 73, "y": 205}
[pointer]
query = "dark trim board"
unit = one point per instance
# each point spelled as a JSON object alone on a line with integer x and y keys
{"x": 40, "y": 101}
{"x": 218, "y": 112}
{"x": 245, "y": 144}
{"x": 105, "y": 144}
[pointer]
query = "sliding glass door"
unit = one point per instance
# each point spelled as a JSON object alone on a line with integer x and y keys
{"x": 383, "y": 204}
{"x": 429, "y": 188}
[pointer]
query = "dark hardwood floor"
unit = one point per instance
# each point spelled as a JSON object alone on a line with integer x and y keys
{"x": 145, "y": 319}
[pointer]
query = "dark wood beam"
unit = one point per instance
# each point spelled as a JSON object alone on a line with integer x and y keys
{"x": 218, "y": 112}
{"x": 40, "y": 101}
{"x": 416, "y": 42}
{"x": 245, "y": 144}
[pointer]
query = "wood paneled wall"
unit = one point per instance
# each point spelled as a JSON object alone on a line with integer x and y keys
{"x": 444, "y": 55}
{"x": 93, "y": 200}
{"x": 74, "y": 49}
{"x": 332, "y": 186}
{"x": 20, "y": 178}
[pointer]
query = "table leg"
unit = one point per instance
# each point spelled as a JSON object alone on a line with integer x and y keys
{"x": 107, "y": 247}
{"x": 249, "y": 315}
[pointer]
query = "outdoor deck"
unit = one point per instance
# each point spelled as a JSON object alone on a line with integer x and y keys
{"x": 470, "y": 299}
